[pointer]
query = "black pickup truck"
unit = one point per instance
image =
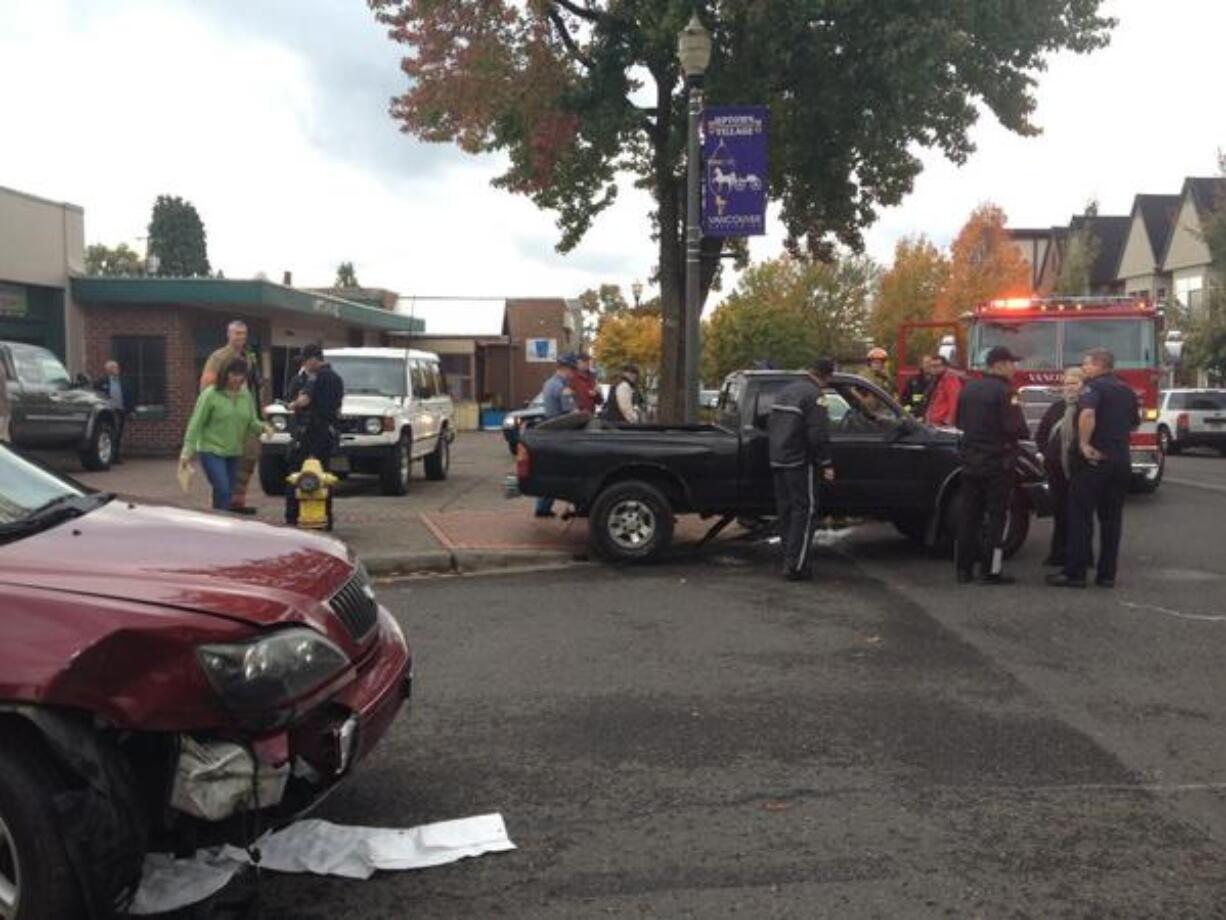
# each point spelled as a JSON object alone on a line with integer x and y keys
{"x": 631, "y": 481}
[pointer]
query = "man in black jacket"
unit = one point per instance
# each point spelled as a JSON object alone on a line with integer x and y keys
{"x": 316, "y": 407}
{"x": 990, "y": 416}
{"x": 800, "y": 441}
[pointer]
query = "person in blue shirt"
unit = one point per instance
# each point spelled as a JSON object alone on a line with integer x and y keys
{"x": 111, "y": 386}
{"x": 559, "y": 399}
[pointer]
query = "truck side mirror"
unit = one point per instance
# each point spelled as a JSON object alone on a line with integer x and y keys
{"x": 1174, "y": 346}
{"x": 948, "y": 349}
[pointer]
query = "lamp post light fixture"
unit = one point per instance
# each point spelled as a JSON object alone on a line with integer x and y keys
{"x": 637, "y": 290}
{"x": 694, "y": 52}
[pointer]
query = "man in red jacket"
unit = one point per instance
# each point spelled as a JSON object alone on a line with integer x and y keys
{"x": 942, "y": 408}
{"x": 587, "y": 391}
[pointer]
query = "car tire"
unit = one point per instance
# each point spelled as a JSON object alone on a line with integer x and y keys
{"x": 274, "y": 468}
{"x": 396, "y": 470}
{"x": 1017, "y": 526}
{"x": 1165, "y": 441}
{"x": 33, "y": 859}
{"x": 631, "y": 521}
{"x": 439, "y": 461}
{"x": 98, "y": 455}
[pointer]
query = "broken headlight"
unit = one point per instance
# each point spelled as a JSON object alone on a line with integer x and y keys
{"x": 271, "y": 671}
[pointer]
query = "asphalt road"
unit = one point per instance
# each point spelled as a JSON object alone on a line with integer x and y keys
{"x": 699, "y": 739}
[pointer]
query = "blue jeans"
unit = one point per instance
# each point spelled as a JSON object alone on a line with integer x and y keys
{"x": 222, "y": 473}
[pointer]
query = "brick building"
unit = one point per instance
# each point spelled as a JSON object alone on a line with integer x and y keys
{"x": 161, "y": 331}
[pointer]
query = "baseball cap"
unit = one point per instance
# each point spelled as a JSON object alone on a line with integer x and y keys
{"x": 568, "y": 360}
{"x": 999, "y": 353}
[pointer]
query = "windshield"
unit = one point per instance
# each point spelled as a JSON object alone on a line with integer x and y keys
{"x": 378, "y": 376}
{"x": 1130, "y": 340}
{"x": 25, "y": 488}
{"x": 1034, "y": 342}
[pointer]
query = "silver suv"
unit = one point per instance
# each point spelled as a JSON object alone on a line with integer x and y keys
{"x": 397, "y": 410}
{"x": 1192, "y": 418}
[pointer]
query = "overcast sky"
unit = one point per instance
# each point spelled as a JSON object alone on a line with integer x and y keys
{"x": 271, "y": 117}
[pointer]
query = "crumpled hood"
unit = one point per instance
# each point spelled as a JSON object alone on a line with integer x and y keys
{"x": 150, "y": 554}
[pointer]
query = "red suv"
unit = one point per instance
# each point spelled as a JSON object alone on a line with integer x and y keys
{"x": 168, "y": 680}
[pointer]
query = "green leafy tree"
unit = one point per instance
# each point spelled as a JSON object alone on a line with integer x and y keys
{"x": 1080, "y": 253}
{"x": 582, "y": 95}
{"x": 786, "y": 311}
{"x": 177, "y": 238}
{"x": 346, "y": 277}
{"x": 1205, "y": 326}
{"x": 122, "y": 260}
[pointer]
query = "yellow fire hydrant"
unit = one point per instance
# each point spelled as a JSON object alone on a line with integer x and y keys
{"x": 312, "y": 485}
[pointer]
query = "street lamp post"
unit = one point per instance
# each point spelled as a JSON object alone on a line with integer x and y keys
{"x": 694, "y": 52}
{"x": 637, "y": 290}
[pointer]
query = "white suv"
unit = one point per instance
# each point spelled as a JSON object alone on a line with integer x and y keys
{"x": 1192, "y": 418}
{"x": 396, "y": 410}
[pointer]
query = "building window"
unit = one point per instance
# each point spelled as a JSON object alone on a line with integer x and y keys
{"x": 458, "y": 373}
{"x": 142, "y": 368}
{"x": 1189, "y": 291}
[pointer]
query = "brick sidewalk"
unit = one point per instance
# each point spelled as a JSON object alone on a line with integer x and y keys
{"x": 463, "y": 522}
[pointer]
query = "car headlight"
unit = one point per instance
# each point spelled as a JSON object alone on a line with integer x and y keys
{"x": 373, "y": 425}
{"x": 272, "y": 671}
{"x": 508, "y": 422}
{"x": 279, "y": 422}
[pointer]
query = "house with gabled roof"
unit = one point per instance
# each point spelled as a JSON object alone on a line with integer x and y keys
{"x": 1053, "y": 260}
{"x": 1140, "y": 268}
{"x": 1110, "y": 233}
{"x": 1187, "y": 259}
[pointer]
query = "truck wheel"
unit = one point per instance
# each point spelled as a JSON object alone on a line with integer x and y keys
{"x": 439, "y": 461}
{"x": 101, "y": 450}
{"x": 1017, "y": 524}
{"x": 396, "y": 470}
{"x": 631, "y": 522}
{"x": 36, "y": 880}
{"x": 274, "y": 467}
{"x": 1166, "y": 442}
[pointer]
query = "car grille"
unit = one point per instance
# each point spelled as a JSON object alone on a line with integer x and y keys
{"x": 355, "y": 604}
{"x": 351, "y": 424}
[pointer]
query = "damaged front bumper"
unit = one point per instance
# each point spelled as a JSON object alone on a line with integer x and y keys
{"x": 222, "y": 779}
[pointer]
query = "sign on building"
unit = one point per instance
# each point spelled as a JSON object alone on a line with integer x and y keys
{"x": 542, "y": 351}
{"x": 734, "y": 171}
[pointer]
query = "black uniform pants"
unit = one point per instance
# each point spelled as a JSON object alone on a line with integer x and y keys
{"x": 983, "y": 496}
{"x": 312, "y": 441}
{"x": 796, "y": 501}
{"x": 1096, "y": 489}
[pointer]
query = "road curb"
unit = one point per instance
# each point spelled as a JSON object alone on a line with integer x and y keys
{"x": 465, "y": 562}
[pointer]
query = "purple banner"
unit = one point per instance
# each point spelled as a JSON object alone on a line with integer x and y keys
{"x": 734, "y": 171}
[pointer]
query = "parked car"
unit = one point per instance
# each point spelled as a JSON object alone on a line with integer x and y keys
{"x": 397, "y": 411}
{"x": 631, "y": 481}
{"x": 168, "y": 680}
{"x": 1192, "y": 418}
{"x": 49, "y": 411}
{"x": 516, "y": 421}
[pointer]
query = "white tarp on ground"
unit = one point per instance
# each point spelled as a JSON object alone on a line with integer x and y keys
{"x": 321, "y": 848}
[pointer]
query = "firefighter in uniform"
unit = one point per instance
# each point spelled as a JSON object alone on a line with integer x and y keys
{"x": 316, "y": 409}
{"x": 990, "y": 415}
{"x": 1107, "y": 412}
{"x": 799, "y": 442}
{"x": 876, "y": 369}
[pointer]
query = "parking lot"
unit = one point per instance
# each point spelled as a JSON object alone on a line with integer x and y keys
{"x": 700, "y": 739}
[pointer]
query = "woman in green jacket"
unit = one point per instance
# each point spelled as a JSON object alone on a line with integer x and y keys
{"x": 224, "y": 418}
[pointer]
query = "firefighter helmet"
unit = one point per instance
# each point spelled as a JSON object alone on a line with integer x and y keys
{"x": 877, "y": 354}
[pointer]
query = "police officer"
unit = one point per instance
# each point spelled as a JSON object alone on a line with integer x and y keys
{"x": 316, "y": 408}
{"x": 799, "y": 442}
{"x": 559, "y": 399}
{"x": 1107, "y": 412}
{"x": 990, "y": 415}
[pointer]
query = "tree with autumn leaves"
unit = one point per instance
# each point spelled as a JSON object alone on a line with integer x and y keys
{"x": 581, "y": 96}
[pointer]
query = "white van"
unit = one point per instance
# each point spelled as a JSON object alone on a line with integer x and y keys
{"x": 396, "y": 410}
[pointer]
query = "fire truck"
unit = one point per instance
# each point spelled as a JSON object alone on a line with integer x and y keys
{"x": 1051, "y": 334}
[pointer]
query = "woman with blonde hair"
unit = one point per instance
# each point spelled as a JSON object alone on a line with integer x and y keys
{"x": 1057, "y": 439}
